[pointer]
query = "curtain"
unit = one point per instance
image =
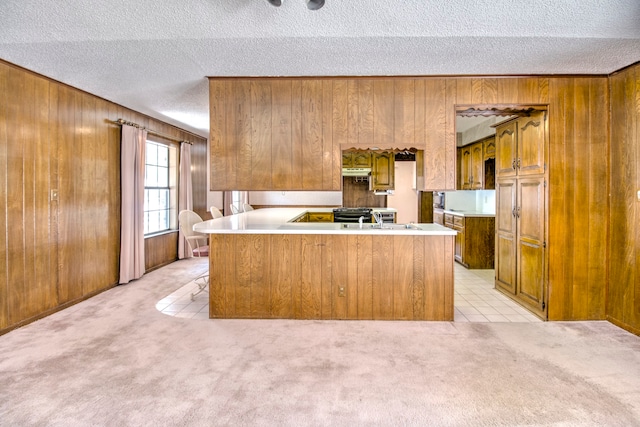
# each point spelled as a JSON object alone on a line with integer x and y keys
{"x": 185, "y": 195}
{"x": 132, "y": 165}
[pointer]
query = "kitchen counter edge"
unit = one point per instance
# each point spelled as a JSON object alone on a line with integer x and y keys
{"x": 468, "y": 213}
{"x": 277, "y": 221}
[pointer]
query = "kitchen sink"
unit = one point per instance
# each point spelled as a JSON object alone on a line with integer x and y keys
{"x": 385, "y": 226}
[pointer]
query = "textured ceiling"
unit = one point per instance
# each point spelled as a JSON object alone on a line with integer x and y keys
{"x": 154, "y": 57}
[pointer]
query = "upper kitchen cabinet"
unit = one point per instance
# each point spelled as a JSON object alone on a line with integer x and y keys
{"x": 382, "y": 171}
{"x": 520, "y": 146}
{"x": 477, "y": 165}
{"x": 356, "y": 159}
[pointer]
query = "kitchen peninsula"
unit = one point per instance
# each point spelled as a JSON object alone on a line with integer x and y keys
{"x": 263, "y": 265}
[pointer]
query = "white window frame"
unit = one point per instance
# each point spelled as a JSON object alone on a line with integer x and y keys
{"x": 168, "y": 176}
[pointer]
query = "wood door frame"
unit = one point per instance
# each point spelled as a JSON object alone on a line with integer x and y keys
{"x": 507, "y": 110}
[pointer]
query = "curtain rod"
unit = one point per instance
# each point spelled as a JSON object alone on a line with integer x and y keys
{"x": 135, "y": 125}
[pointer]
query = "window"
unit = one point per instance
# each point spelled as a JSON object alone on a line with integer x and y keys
{"x": 160, "y": 188}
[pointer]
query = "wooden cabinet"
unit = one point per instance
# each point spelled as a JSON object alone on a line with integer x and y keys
{"x": 474, "y": 243}
{"x": 521, "y": 196}
{"x": 448, "y": 220}
{"x": 438, "y": 216}
{"x": 320, "y": 217}
{"x": 465, "y": 168}
{"x": 382, "y": 171}
{"x": 506, "y": 149}
{"x": 477, "y": 165}
{"x": 489, "y": 146}
{"x": 356, "y": 159}
{"x": 520, "y": 239}
{"x": 315, "y": 217}
{"x": 520, "y": 146}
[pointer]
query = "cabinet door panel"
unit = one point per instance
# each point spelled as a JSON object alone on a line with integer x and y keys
{"x": 531, "y": 209}
{"x": 438, "y": 217}
{"x": 531, "y": 196}
{"x": 477, "y": 167}
{"x": 531, "y": 143}
{"x": 506, "y": 150}
{"x": 530, "y": 272}
{"x": 347, "y": 159}
{"x": 505, "y": 261}
{"x": 361, "y": 160}
{"x": 490, "y": 149}
{"x": 383, "y": 171}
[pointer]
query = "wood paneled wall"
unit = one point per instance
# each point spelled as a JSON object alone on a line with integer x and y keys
{"x": 269, "y": 134}
{"x": 54, "y": 138}
{"x": 623, "y": 305}
{"x": 160, "y": 250}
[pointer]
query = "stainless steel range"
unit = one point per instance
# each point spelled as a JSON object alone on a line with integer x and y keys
{"x": 351, "y": 214}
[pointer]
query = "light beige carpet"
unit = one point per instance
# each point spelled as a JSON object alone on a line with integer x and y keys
{"x": 114, "y": 360}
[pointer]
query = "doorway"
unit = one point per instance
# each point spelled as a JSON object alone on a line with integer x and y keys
{"x": 521, "y": 197}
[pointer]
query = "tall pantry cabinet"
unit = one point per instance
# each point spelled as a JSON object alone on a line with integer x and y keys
{"x": 521, "y": 197}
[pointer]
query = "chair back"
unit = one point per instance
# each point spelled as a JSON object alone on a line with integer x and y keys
{"x": 247, "y": 207}
{"x": 215, "y": 212}
{"x": 234, "y": 209}
{"x": 186, "y": 221}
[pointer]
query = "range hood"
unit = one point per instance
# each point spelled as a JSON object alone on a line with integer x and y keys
{"x": 356, "y": 171}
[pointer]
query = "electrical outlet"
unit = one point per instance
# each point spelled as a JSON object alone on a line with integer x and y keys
{"x": 340, "y": 291}
{"x": 639, "y": 195}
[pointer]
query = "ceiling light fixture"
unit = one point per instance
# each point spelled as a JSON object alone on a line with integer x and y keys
{"x": 315, "y": 4}
{"x": 311, "y": 4}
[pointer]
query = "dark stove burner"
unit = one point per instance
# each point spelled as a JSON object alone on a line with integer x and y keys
{"x": 351, "y": 214}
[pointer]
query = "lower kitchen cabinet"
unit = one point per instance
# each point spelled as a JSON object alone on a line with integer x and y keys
{"x": 319, "y": 217}
{"x": 438, "y": 216}
{"x": 475, "y": 241}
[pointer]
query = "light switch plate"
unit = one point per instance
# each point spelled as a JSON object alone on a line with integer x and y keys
{"x": 639, "y": 195}
{"x": 54, "y": 195}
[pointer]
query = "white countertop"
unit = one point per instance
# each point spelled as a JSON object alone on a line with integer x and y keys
{"x": 468, "y": 213}
{"x": 276, "y": 221}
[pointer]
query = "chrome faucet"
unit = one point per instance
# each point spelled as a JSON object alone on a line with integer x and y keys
{"x": 378, "y": 217}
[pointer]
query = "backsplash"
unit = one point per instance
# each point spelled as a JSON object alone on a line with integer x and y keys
{"x": 295, "y": 198}
{"x": 477, "y": 200}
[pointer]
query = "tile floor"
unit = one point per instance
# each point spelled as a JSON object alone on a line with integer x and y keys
{"x": 475, "y": 300}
